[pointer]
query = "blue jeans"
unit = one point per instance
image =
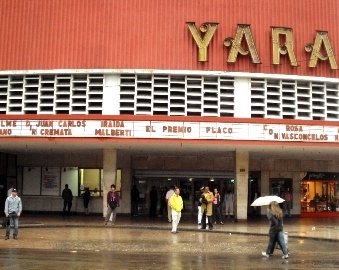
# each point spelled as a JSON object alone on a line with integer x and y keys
{"x": 14, "y": 221}
{"x": 111, "y": 211}
{"x": 278, "y": 237}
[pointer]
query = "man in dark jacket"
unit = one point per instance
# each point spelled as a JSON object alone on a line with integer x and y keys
{"x": 135, "y": 197}
{"x": 67, "y": 196}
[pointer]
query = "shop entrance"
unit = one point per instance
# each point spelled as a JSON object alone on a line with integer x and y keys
{"x": 320, "y": 194}
{"x": 188, "y": 182}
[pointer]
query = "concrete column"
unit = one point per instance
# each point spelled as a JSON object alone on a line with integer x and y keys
{"x": 109, "y": 174}
{"x": 241, "y": 184}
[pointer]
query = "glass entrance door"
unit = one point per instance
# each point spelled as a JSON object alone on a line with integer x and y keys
{"x": 189, "y": 191}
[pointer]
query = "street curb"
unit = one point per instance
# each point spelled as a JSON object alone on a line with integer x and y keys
{"x": 146, "y": 227}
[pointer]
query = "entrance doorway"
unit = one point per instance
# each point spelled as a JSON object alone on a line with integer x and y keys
{"x": 253, "y": 193}
{"x": 320, "y": 194}
{"x": 189, "y": 190}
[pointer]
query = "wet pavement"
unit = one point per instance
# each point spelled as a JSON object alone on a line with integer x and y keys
{"x": 53, "y": 242}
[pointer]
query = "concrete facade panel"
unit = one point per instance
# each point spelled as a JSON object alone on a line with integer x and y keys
{"x": 224, "y": 164}
{"x": 140, "y": 162}
{"x": 293, "y": 165}
{"x": 267, "y": 164}
{"x": 281, "y": 164}
{"x": 333, "y": 165}
{"x": 205, "y": 163}
{"x": 320, "y": 165}
{"x": 187, "y": 162}
{"x": 171, "y": 163}
{"x": 255, "y": 164}
{"x": 147, "y": 34}
{"x": 155, "y": 163}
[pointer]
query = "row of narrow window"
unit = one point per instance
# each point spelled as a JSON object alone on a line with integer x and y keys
{"x": 51, "y": 94}
{"x": 182, "y": 95}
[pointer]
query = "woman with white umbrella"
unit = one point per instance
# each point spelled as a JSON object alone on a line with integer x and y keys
{"x": 275, "y": 217}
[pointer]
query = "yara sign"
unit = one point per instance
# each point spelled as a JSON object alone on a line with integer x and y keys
{"x": 282, "y": 44}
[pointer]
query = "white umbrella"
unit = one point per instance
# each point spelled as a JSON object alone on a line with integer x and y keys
{"x": 266, "y": 200}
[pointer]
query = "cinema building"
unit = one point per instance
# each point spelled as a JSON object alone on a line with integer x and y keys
{"x": 237, "y": 96}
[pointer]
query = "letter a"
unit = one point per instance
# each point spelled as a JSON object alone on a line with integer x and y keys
{"x": 243, "y": 30}
{"x": 320, "y": 39}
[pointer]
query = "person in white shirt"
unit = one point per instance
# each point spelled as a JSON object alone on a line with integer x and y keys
{"x": 13, "y": 209}
{"x": 229, "y": 203}
{"x": 176, "y": 203}
{"x": 169, "y": 193}
{"x": 9, "y": 191}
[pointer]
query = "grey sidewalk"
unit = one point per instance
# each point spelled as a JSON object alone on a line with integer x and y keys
{"x": 312, "y": 228}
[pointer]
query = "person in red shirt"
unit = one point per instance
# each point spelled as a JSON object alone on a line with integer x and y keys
{"x": 112, "y": 205}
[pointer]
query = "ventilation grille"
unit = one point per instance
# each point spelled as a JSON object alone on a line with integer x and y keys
{"x": 285, "y": 99}
{"x": 182, "y": 95}
{"x": 51, "y": 94}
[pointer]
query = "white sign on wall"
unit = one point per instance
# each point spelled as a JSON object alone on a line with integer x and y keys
{"x": 169, "y": 130}
{"x": 50, "y": 181}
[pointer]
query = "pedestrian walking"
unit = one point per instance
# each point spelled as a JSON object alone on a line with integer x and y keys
{"x": 275, "y": 217}
{"x": 169, "y": 193}
{"x": 67, "y": 196}
{"x": 153, "y": 202}
{"x": 206, "y": 209}
{"x": 13, "y": 209}
{"x": 287, "y": 204}
{"x": 135, "y": 197}
{"x": 176, "y": 203}
{"x": 217, "y": 217}
{"x": 229, "y": 203}
{"x": 163, "y": 206}
{"x": 113, "y": 202}
{"x": 86, "y": 198}
{"x": 199, "y": 205}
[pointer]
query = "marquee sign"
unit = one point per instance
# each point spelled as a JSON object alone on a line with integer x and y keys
{"x": 169, "y": 130}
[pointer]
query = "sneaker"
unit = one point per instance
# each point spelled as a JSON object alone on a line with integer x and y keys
{"x": 285, "y": 256}
{"x": 15, "y": 237}
{"x": 222, "y": 223}
{"x": 6, "y": 237}
{"x": 264, "y": 254}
